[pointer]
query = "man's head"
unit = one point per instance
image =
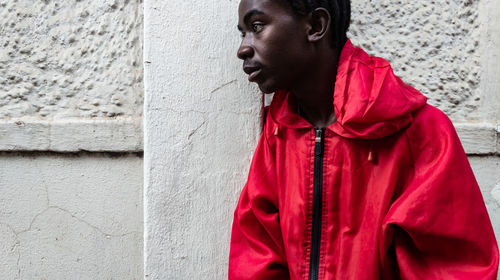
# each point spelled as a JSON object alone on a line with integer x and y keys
{"x": 340, "y": 13}
{"x": 284, "y": 40}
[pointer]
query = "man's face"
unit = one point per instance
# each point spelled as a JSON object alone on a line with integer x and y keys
{"x": 274, "y": 44}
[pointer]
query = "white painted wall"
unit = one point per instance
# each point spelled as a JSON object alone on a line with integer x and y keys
{"x": 487, "y": 172}
{"x": 201, "y": 126}
{"x": 490, "y": 59}
{"x": 201, "y": 116}
{"x": 71, "y": 81}
{"x": 70, "y": 216}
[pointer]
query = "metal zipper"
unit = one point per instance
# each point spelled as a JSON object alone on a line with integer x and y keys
{"x": 317, "y": 201}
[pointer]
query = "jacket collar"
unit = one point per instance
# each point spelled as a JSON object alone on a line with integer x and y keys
{"x": 370, "y": 102}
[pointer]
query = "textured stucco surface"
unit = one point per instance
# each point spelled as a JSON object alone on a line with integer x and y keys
{"x": 71, "y": 80}
{"x": 201, "y": 126}
{"x": 71, "y": 58}
{"x": 433, "y": 45}
{"x": 70, "y": 216}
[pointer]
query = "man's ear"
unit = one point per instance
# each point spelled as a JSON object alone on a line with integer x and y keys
{"x": 319, "y": 24}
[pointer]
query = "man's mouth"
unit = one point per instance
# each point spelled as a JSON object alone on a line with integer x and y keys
{"x": 252, "y": 71}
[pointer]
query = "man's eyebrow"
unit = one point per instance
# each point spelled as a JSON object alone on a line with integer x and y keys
{"x": 250, "y": 14}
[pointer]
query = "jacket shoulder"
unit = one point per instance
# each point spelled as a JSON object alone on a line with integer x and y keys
{"x": 431, "y": 135}
{"x": 429, "y": 120}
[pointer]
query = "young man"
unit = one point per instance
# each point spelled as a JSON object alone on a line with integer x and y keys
{"x": 355, "y": 176}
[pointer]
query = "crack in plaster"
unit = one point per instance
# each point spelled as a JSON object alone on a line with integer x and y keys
{"x": 15, "y": 247}
{"x": 223, "y": 85}
{"x": 196, "y": 129}
{"x": 107, "y": 235}
{"x": 223, "y": 110}
{"x": 47, "y": 193}
{"x": 16, "y": 234}
{"x": 175, "y": 110}
{"x": 13, "y": 231}
{"x": 18, "y": 262}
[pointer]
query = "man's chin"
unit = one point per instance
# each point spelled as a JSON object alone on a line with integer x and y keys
{"x": 266, "y": 89}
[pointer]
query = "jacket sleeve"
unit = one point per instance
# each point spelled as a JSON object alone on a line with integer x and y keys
{"x": 438, "y": 227}
{"x": 256, "y": 242}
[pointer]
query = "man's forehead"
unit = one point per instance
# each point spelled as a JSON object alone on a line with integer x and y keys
{"x": 246, "y": 5}
{"x": 261, "y": 5}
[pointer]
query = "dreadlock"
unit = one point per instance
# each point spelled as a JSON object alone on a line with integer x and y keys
{"x": 340, "y": 12}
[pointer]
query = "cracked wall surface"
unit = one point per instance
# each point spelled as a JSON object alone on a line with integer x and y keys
{"x": 71, "y": 58}
{"x": 433, "y": 45}
{"x": 201, "y": 126}
{"x": 70, "y": 216}
{"x": 9, "y": 252}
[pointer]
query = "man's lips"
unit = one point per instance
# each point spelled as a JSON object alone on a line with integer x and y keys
{"x": 252, "y": 71}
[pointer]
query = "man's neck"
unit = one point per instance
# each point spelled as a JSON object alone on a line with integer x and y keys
{"x": 314, "y": 94}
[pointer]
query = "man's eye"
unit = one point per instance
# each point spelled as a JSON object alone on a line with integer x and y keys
{"x": 243, "y": 34}
{"x": 257, "y": 27}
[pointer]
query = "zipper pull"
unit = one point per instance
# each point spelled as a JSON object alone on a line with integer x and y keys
{"x": 319, "y": 132}
{"x": 372, "y": 157}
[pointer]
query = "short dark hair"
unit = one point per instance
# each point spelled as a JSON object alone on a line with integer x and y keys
{"x": 340, "y": 13}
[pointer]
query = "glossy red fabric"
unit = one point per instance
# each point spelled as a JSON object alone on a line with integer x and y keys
{"x": 400, "y": 200}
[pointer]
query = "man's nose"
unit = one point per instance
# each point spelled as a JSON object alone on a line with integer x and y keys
{"x": 246, "y": 49}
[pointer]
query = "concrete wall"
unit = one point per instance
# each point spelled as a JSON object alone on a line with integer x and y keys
{"x": 201, "y": 126}
{"x": 201, "y": 115}
{"x": 70, "y": 58}
{"x": 487, "y": 171}
{"x": 490, "y": 59}
{"x": 447, "y": 49}
{"x": 70, "y": 216}
{"x": 433, "y": 45}
{"x": 71, "y": 170}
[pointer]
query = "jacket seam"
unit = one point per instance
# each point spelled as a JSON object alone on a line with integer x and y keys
{"x": 265, "y": 129}
{"x": 410, "y": 152}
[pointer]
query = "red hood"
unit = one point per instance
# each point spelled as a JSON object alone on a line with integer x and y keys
{"x": 370, "y": 101}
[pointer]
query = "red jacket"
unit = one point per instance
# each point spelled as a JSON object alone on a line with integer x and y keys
{"x": 386, "y": 192}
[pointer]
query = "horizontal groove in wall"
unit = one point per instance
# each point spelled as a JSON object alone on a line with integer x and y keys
{"x": 479, "y": 138}
{"x": 72, "y": 135}
{"x": 126, "y": 135}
